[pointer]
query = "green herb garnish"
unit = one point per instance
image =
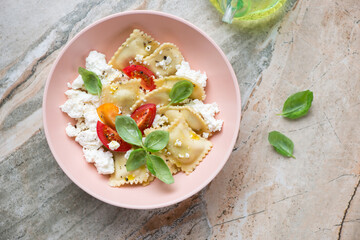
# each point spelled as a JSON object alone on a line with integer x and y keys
{"x": 149, "y": 166}
{"x": 128, "y": 130}
{"x": 181, "y": 91}
{"x": 160, "y": 168}
{"x": 297, "y": 105}
{"x": 136, "y": 159}
{"x": 281, "y": 143}
{"x": 92, "y": 82}
{"x": 154, "y": 142}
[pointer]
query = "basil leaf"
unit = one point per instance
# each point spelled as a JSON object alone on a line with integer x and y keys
{"x": 181, "y": 91}
{"x": 281, "y": 143}
{"x": 298, "y": 104}
{"x": 136, "y": 159}
{"x": 149, "y": 165}
{"x": 92, "y": 82}
{"x": 128, "y": 130}
{"x": 162, "y": 171}
{"x": 156, "y": 140}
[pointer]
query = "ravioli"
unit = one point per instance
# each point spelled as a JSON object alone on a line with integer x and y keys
{"x": 121, "y": 176}
{"x": 164, "y": 59}
{"x": 150, "y": 179}
{"x": 193, "y": 119}
{"x": 198, "y": 91}
{"x": 122, "y": 94}
{"x": 187, "y": 149}
{"x": 159, "y": 96}
{"x": 139, "y": 43}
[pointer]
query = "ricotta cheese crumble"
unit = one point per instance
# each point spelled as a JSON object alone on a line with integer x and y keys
{"x": 113, "y": 145}
{"x": 164, "y": 63}
{"x": 82, "y": 107}
{"x": 208, "y": 112}
{"x": 178, "y": 143}
{"x": 184, "y": 70}
{"x": 159, "y": 121}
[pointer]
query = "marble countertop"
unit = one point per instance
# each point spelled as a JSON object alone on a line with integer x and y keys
{"x": 259, "y": 194}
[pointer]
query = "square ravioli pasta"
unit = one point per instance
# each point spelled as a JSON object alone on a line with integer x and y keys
{"x": 187, "y": 149}
{"x": 142, "y": 72}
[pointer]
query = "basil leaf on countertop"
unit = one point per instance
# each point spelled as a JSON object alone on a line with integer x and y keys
{"x": 136, "y": 159}
{"x": 297, "y": 105}
{"x": 156, "y": 140}
{"x": 281, "y": 143}
{"x": 128, "y": 130}
{"x": 92, "y": 82}
{"x": 162, "y": 171}
{"x": 181, "y": 91}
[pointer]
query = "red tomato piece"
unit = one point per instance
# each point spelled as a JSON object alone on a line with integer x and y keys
{"x": 106, "y": 134}
{"x": 144, "y": 116}
{"x": 147, "y": 76}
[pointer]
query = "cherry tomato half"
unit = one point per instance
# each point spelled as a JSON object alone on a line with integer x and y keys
{"x": 106, "y": 134}
{"x": 107, "y": 113}
{"x": 146, "y": 75}
{"x": 144, "y": 116}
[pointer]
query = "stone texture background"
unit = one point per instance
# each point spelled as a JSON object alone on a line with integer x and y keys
{"x": 259, "y": 194}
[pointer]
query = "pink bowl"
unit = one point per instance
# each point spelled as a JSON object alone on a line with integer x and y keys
{"x": 105, "y": 36}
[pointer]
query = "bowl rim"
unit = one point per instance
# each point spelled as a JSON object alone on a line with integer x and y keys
{"x": 89, "y": 190}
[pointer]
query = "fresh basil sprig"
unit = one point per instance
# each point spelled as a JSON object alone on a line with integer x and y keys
{"x": 181, "y": 91}
{"x": 160, "y": 168}
{"x": 136, "y": 159}
{"x": 154, "y": 142}
{"x": 92, "y": 82}
{"x": 281, "y": 143}
{"x": 128, "y": 130}
{"x": 149, "y": 165}
{"x": 297, "y": 105}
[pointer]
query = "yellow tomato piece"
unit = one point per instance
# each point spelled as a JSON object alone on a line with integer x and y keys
{"x": 107, "y": 113}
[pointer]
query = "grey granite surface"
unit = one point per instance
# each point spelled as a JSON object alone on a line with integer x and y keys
{"x": 259, "y": 194}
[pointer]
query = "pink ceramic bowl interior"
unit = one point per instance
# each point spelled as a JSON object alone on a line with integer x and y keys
{"x": 106, "y": 36}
